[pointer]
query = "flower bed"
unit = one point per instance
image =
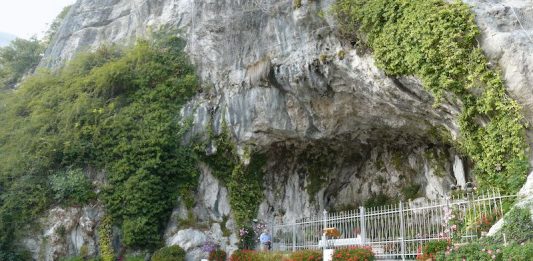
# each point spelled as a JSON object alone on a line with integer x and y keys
{"x": 353, "y": 254}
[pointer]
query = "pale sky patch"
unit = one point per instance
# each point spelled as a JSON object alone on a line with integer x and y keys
{"x": 27, "y": 18}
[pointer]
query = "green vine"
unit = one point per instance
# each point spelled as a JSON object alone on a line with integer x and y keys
{"x": 244, "y": 182}
{"x": 104, "y": 239}
{"x": 115, "y": 110}
{"x": 436, "y": 41}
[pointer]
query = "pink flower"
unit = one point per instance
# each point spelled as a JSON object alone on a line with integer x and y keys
{"x": 489, "y": 252}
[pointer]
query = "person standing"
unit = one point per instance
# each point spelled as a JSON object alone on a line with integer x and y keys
{"x": 265, "y": 240}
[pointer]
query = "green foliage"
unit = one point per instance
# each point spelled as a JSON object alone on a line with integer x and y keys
{"x": 305, "y": 255}
{"x": 25, "y": 199}
{"x": 171, "y": 253}
{"x": 225, "y": 159}
{"x": 411, "y": 191}
{"x": 318, "y": 163}
{"x": 341, "y": 54}
{"x": 246, "y": 255}
{"x": 115, "y": 110}
{"x": 244, "y": 182}
{"x": 353, "y": 253}
{"x": 71, "y": 187}
{"x": 246, "y": 190}
{"x": 483, "y": 251}
{"x": 518, "y": 252}
{"x": 104, "y": 239}
{"x": 84, "y": 251}
{"x": 378, "y": 201}
{"x": 247, "y": 238}
{"x": 518, "y": 225}
{"x": 437, "y": 159}
{"x": 217, "y": 255}
{"x": 431, "y": 248}
{"x": 436, "y": 41}
{"x": 18, "y": 58}
{"x": 470, "y": 252}
{"x": 297, "y": 4}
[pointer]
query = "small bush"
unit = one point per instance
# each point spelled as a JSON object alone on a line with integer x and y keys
{"x": 518, "y": 226}
{"x": 71, "y": 187}
{"x": 473, "y": 251}
{"x": 251, "y": 255}
{"x": 516, "y": 252}
{"x": 430, "y": 249}
{"x": 353, "y": 253}
{"x": 217, "y": 255}
{"x": 171, "y": 253}
{"x": 305, "y": 255}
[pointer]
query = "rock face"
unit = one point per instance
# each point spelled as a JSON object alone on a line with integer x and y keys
{"x": 337, "y": 131}
{"x": 65, "y": 232}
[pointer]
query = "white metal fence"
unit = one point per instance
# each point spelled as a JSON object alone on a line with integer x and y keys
{"x": 395, "y": 231}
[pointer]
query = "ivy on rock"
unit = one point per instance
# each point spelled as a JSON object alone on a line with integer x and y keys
{"x": 244, "y": 182}
{"x": 116, "y": 110}
{"x": 436, "y": 41}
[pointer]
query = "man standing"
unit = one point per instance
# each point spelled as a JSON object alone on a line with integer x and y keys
{"x": 264, "y": 239}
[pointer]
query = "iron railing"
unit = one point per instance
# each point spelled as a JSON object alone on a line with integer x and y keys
{"x": 396, "y": 231}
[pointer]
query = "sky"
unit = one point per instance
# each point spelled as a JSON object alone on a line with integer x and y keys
{"x": 27, "y": 18}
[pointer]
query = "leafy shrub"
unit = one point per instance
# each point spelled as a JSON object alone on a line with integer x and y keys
{"x": 114, "y": 110}
{"x": 472, "y": 251}
{"x": 217, "y": 255}
{"x": 436, "y": 41}
{"x": 171, "y": 253}
{"x": 431, "y": 248}
{"x": 518, "y": 252}
{"x": 71, "y": 187}
{"x": 353, "y": 253}
{"x": 518, "y": 226}
{"x": 18, "y": 58}
{"x": 306, "y": 255}
{"x": 247, "y": 238}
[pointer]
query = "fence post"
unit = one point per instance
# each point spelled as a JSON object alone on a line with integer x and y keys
{"x": 402, "y": 230}
{"x": 272, "y": 225}
{"x": 324, "y": 230}
{"x": 363, "y": 224}
{"x": 294, "y": 237}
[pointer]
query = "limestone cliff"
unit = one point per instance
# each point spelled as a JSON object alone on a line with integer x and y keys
{"x": 289, "y": 86}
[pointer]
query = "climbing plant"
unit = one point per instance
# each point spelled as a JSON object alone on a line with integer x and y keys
{"x": 436, "y": 41}
{"x": 244, "y": 182}
{"x": 117, "y": 110}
